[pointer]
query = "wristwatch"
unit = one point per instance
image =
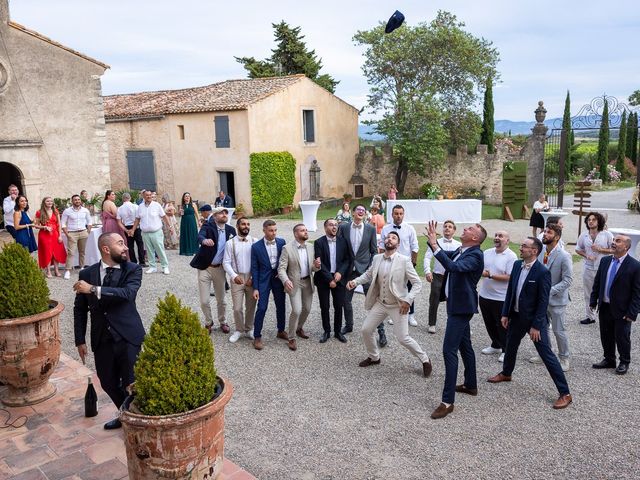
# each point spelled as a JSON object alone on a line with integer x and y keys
{"x": 489, "y": 275}
{"x": 93, "y": 289}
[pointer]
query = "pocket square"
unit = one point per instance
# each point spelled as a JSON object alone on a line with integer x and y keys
{"x": 531, "y": 281}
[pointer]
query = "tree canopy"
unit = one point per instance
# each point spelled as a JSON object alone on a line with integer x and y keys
{"x": 290, "y": 57}
{"x": 634, "y": 99}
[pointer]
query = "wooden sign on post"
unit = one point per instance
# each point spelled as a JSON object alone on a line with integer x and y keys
{"x": 581, "y": 201}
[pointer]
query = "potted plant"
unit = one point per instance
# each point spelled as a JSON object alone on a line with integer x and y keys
{"x": 29, "y": 329}
{"x": 240, "y": 210}
{"x": 174, "y": 428}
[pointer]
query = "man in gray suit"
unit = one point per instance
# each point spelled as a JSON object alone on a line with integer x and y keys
{"x": 362, "y": 241}
{"x": 558, "y": 262}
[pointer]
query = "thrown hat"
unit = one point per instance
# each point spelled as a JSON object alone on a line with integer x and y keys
{"x": 219, "y": 210}
{"x": 394, "y": 22}
{"x": 205, "y": 208}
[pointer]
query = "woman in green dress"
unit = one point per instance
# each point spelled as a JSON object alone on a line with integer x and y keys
{"x": 188, "y": 225}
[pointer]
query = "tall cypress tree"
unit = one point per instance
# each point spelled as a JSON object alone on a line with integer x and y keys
{"x": 603, "y": 143}
{"x": 622, "y": 143}
{"x": 629, "y": 135}
{"x": 488, "y": 126}
{"x": 634, "y": 140}
{"x": 566, "y": 127}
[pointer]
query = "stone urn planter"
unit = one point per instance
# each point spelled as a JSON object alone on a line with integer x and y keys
{"x": 186, "y": 445}
{"x": 29, "y": 353}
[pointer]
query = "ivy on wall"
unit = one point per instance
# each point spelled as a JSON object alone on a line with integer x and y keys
{"x": 273, "y": 180}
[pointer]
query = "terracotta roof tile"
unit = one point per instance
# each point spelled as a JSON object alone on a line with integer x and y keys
{"x": 222, "y": 96}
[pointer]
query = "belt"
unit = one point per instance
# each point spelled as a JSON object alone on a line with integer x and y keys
{"x": 215, "y": 265}
{"x": 304, "y": 278}
{"x": 76, "y": 231}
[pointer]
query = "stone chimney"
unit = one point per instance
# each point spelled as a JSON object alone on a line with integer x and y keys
{"x": 4, "y": 11}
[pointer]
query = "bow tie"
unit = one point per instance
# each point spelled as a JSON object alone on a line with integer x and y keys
{"x": 333, "y": 240}
{"x": 301, "y": 247}
{"x": 527, "y": 266}
{"x": 356, "y": 226}
{"x": 397, "y": 226}
{"x": 272, "y": 242}
{"x": 447, "y": 241}
{"x": 387, "y": 258}
{"x": 243, "y": 239}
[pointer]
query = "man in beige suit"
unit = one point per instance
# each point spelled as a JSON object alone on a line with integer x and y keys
{"x": 388, "y": 296}
{"x": 295, "y": 270}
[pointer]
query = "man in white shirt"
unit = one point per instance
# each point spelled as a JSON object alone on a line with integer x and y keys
{"x": 408, "y": 245}
{"x": 149, "y": 218}
{"x": 498, "y": 262}
{"x": 237, "y": 265}
{"x": 127, "y": 217}
{"x": 435, "y": 278}
{"x": 8, "y": 206}
{"x": 76, "y": 225}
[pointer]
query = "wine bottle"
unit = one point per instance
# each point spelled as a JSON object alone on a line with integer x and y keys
{"x": 90, "y": 401}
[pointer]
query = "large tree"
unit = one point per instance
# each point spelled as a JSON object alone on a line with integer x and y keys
{"x": 634, "y": 98}
{"x": 634, "y": 139}
{"x": 566, "y": 127}
{"x": 603, "y": 143}
{"x": 622, "y": 143}
{"x": 488, "y": 126}
{"x": 290, "y": 57}
{"x": 424, "y": 84}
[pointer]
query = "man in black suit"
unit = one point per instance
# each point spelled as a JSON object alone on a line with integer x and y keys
{"x": 334, "y": 257}
{"x": 616, "y": 293}
{"x": 223, "y": 200}
{"x": 108, "y": 290}
{"x": 525, "y": 312}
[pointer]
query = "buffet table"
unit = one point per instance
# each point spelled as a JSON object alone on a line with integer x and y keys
{"x": 422, "y": 211}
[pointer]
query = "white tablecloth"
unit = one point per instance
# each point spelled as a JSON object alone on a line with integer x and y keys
{"x": 91, "y": 251}
{"x": 633, "y": 234}
{"x": 421, "y": 211}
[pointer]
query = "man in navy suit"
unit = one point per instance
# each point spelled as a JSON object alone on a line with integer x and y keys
{"x": 330, "y": 280}
{"x": 525, "y": 312}
{"x": 108, "y": 290}
{"x": 265, "y": 258}
{"x": 616, "y": 293}
{"x": 463, "y": 269}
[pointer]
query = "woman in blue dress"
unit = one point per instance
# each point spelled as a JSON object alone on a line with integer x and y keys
{"x": 24, "y": 224}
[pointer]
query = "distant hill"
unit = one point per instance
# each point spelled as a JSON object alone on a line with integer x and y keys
{"x": 366, "y": 133}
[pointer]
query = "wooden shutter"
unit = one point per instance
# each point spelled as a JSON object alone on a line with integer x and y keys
{"x": 222, "y": 131}
{"x": 142, "y": 172}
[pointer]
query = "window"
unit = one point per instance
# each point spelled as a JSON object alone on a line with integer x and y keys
{"x": 221, "y": 123}
{"x": 308, "y": 127}
{"x": 359, "y": 191}
{"x": 142, "y": 173}
{"x": 181, "y": 132}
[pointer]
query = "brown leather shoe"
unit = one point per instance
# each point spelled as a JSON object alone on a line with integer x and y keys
{"x": 301, "y": 333}
{"x": 499, "y": 378}
{"x": 257, "y": 344}
{"x": 367, "y": 362}
{"x": 225, "y": 328}
{"x": 442, "y": 411}
{"x": 283, "y": 335}
{"x": 563, "y": 401}
{"x": 426, "y": 368}
{"x": 292, "y": 344}
{"x": 469, "y": 391}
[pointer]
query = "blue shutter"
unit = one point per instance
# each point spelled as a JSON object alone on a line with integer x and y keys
{"x": 222, "y": 131}
{"x": 142, "y": 172}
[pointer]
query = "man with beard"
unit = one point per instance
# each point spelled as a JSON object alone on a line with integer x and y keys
{"x": 389, "y": 296}
{"x": 108, "y": 290}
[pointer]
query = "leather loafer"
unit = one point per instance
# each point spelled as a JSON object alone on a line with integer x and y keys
{"x": 346, "y": 330}
{"x": 465, "y": 389}
{"x": 426, "y": 368}
{"x": 563, "y": 401}
{"x": 257, "y": 344}
{"x": 587, "y": 321}
{"x": 283, "y": 335}
{"x": 292, "y": 344}
{"x": 604, "y": 363}
{"x": 325, "y": 336}
{"x": 113, "y": 424}
{"x": 382, "y": 340}
{"x": 301, "y": 333}
{"x": 225, "y": 328}
{"x": 341, "y": 337}
{"x": 499, "y": 378}
{"x": 622, "y": 368}
{"x": 367, "y": 362}
{"x": 442, "y": 411}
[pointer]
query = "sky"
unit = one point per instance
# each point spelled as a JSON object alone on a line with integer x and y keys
{"x": 546, "y": 47}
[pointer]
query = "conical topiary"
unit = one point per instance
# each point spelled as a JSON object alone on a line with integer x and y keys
{"x": 23, "y": 289}
{"x": 175, "y": 372}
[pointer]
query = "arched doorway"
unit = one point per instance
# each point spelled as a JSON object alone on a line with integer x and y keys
{"x": 9, "y": 174}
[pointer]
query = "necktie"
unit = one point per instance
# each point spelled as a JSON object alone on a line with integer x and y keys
{"x": 615, "y": 263}
{"x": 106, "y": 282}
{"x": 397, "y": 226}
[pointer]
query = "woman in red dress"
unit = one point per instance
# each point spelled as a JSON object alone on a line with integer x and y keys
{"x": 51, "y": 250}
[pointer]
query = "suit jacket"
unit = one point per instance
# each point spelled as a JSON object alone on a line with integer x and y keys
{"x": 205, "y": 255}
{"x": 624, "y": 295}
{"x": 116, "y": 307}
{"x": 343, "y": 260}
{"x": 402, "y": 271}
{"x": 289, "y": 265}
{"x": 227, "y": 202}
{"x": 534, "y": 296}
{"x": 368, "y": 246}
{"x": 560, "y": 265}
{"x": 261, "y": 271}
{"x": 463, "y": 276}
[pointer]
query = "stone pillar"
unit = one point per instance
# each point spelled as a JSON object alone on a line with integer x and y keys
{"x": 533, "y": 153}
{"x": 4, "y": 11}
{"x": 314, "y": 180}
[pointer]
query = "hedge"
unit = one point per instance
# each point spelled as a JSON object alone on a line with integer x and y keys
{"x": 273, "y": 180}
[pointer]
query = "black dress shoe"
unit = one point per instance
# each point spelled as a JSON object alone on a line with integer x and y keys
{"x": 341, "y": 337}
{"x": 622, "y": 368}
{"x": 604, "y": 363}
{"x": 325, "y": 337}
{"x": 367, "y": 362}
{"x": 382, "y": 341}
{"x": 587, "y": 321}
{"x": 113, "y": 424}
{"x": 347, "y": 330}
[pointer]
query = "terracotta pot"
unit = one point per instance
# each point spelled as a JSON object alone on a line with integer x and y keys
{"x": 181, "y": 446}
{"x": 29, "y": 353}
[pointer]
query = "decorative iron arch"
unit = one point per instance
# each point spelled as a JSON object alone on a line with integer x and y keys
{"x": 590, "y": 115}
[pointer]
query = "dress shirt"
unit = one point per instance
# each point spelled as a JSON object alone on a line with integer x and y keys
{"x": 127, "y": 213}
{"x": 332, "y": 253}
{"x": 497, "y": 264}
{"x": 103, "y": 273}
{"x": 237, "y": 256}
{"x": 386, "y": 297}
{"x": 408, "y": 238}
{"x": 444, "y": 244}
{"x": 8, "y": 205}
{"x": 150, "y": 216}
{"x": 606, "y": 298}
{"x": 446, "y": 285}
{"x": 356, "y": 236}
{"x": 222, "y": 240}
{"x": 303, "y": 257}
{"x": 76, "y": 219}
{"x": 272, "y": 251}
{"x": 604, "y": 239}
{"x": 524, "y": 273}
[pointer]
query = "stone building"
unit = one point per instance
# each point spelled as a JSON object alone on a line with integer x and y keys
{"x": 52, "y": 133}
{"x": 199, "y": 139}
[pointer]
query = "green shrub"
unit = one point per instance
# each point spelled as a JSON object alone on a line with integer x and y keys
{"x": 175, "y": 372}
{"x": 273, "y": 180}
{"x": 23, "y": 289}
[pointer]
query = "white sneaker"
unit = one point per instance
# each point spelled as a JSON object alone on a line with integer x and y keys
{"x": 249, "y": 335}
{"x": 564, "y": 363}
{"x": 235, "y": 337}
{"x": 501, "y": 357}
{"x": 412, "y": 320}
{"x": 491, "y": 351}
{"x": 67, "y": 275}
{"x": 431, "y": 329}
{"x": 535, "y": 359}
{"x": 390, "y": 321}
{"x": 165, "y": 270}
{"x": 152, "y": 270}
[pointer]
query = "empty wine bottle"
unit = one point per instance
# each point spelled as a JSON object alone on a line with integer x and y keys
{"x": 90, "y": 401}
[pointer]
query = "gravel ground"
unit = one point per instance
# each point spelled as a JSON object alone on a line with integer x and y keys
{"x": 314, "y": 414}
